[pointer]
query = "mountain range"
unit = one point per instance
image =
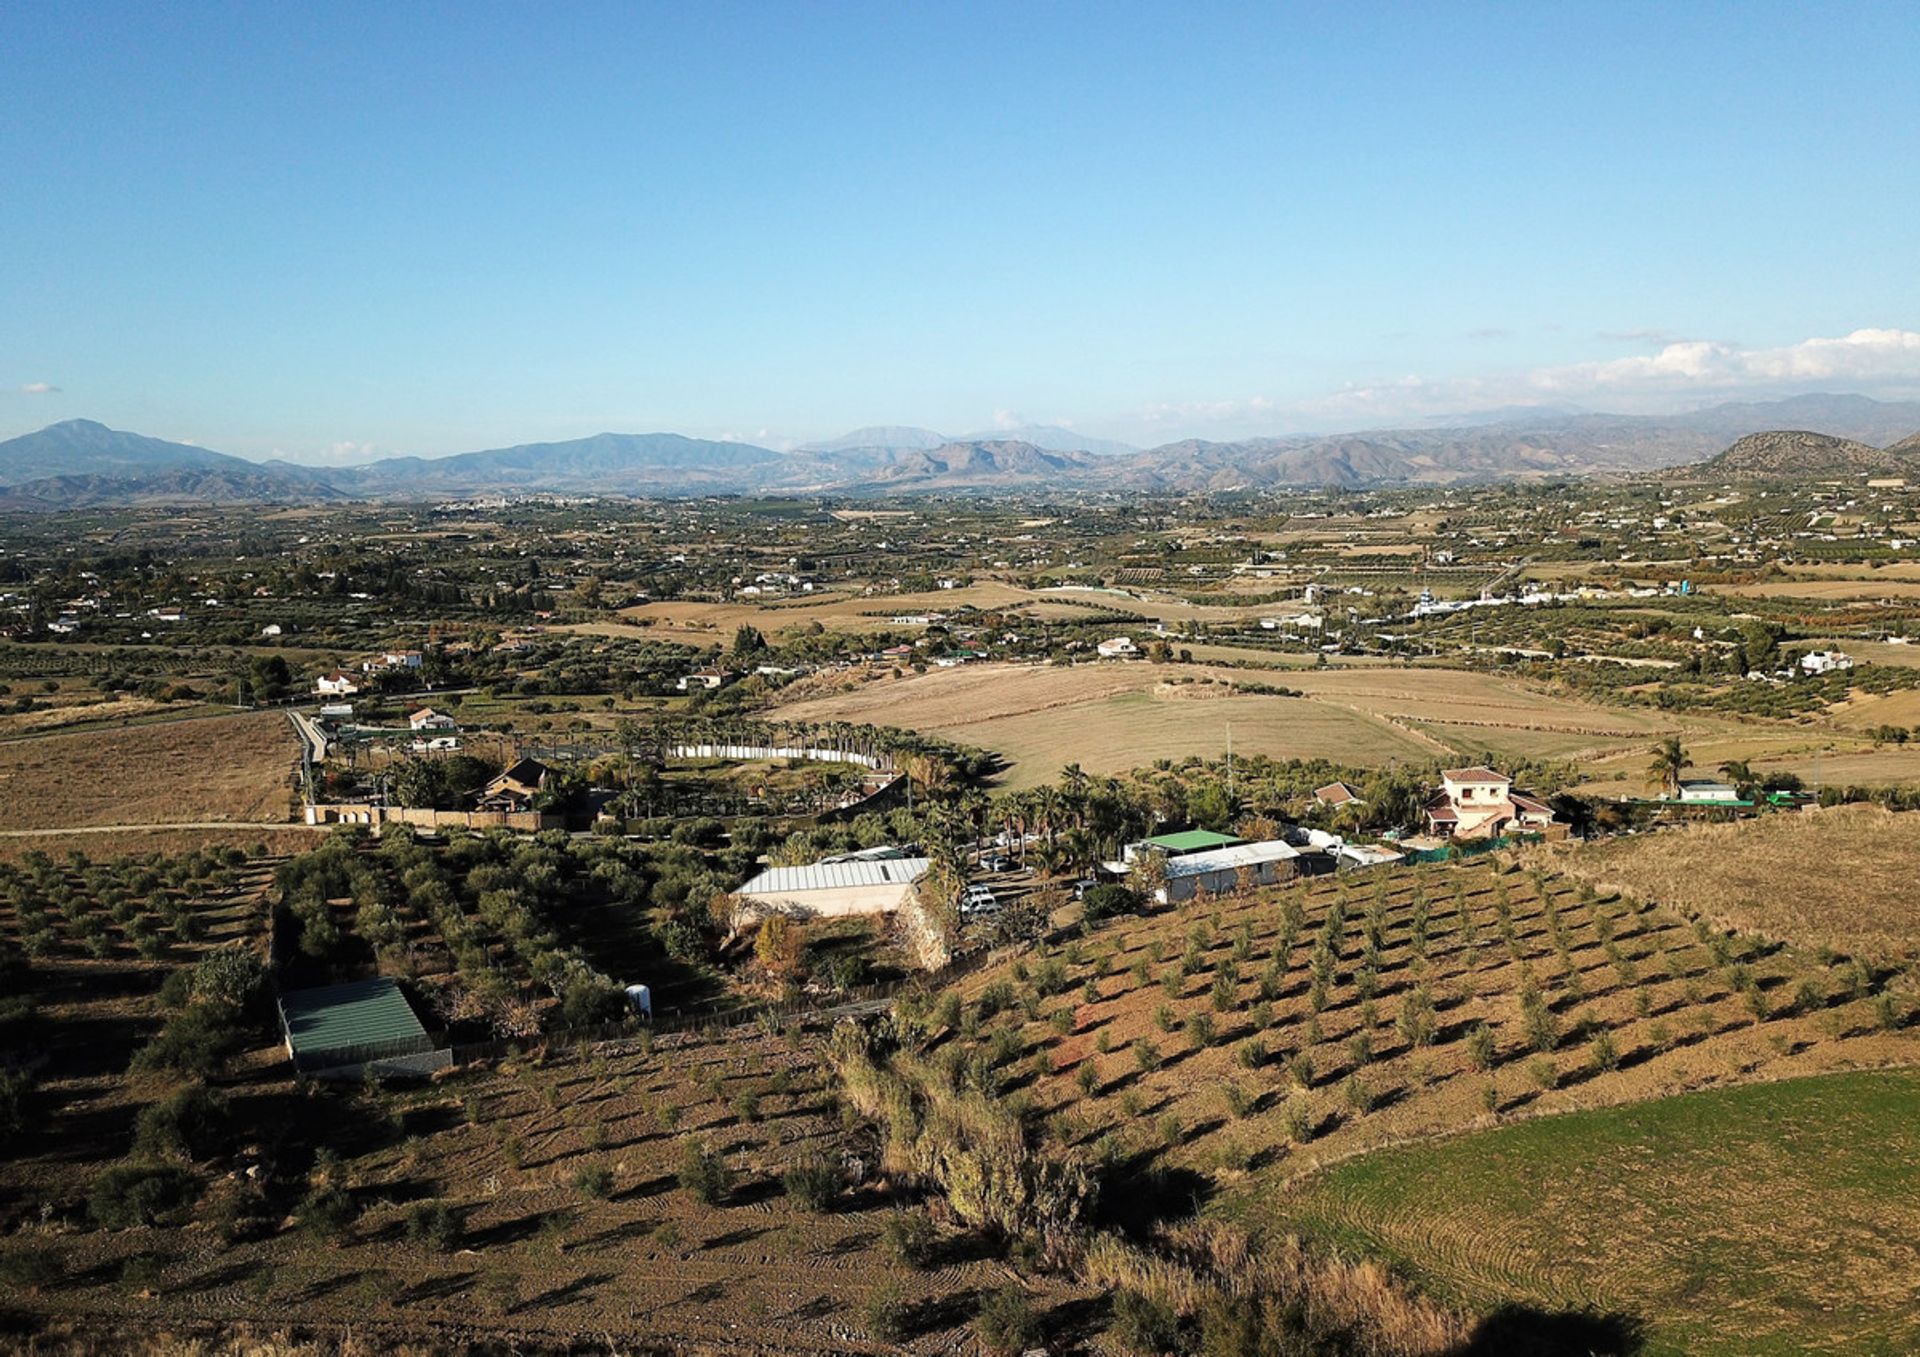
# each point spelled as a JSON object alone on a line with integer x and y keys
{"x": 79, "y": 463}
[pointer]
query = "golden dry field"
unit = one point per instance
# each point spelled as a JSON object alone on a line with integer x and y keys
{"x": 1113, "y": 716}
{"x": 215, "y": 768}
{"x": 1842, "y": 877}
{"x": 1110, "y": 717}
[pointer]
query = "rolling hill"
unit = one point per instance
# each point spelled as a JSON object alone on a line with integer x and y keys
{"x": 1797, "y": 454}
{"x": 81, "y": 447}
{"x": 80, "y": 463}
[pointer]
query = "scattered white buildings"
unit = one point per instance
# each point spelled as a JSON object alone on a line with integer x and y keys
{"x": 1118, "y": 648}
{"x": 336, "y": 684}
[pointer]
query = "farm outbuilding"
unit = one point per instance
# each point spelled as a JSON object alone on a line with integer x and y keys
{"x": 1179, "y": 844}
{"x": 346, "y": 1026}
{"x": 1220, "y": 870}
{"x": 834, "y": 888}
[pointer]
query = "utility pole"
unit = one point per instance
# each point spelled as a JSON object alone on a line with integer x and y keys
{"x": 1229, "y": 760}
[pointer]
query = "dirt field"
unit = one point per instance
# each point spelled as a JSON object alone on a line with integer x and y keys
{"x": 705, "y": 623}
{"x": 1110, "y": 717}
{"x": 1115, "y": 716}
{"x": 118, "y": 708}
{"x": 1827, "y": 590}
{"x": 1800, "y": 1202}
{"x": 1735, "y": 874}
{"x": 212, "y": 768}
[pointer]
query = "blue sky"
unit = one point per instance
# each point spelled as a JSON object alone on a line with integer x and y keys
{"x": 331, "y": 231}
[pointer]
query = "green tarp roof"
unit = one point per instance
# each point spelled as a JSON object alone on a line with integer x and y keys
{"x": 363, "y": 1014}
{"x": 1192, "y": 841}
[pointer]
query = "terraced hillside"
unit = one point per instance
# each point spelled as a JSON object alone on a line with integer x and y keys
{"x": 1287, "y": 1029}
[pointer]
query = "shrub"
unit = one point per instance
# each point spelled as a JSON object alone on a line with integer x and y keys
{"x": 1200, "y": 1030}
{"x": 196, "y": 1041}
{"x": 139, "y": 1194}
{"x": 706, "y": 1176}
{"x": 1606, "y": 1056}
{"x": 31, "y": 1268}
{"x": 1146, "y": 1055}
{"x": 1239, "y": 1102}
{"x": 909, "y": 1239}
{"x": 594, "y": 1181}
{"x": 813, "y": 1183}
{"x": 1545, "y": 1073}
{"x": 436, "y": 1225}
{"x": 191, "y": 1122}
{"x": 327, "y": 1211}
{"x": 1359, "y": 1094}
{"x": 1106, "y": 901}
{"x": 1144, "y": 1326}
{"x": 885, "y": 1314}
{"x": 1299, "y": 1119}
{"x": 1887, "y": 1013}
{"x": 1006, "y": 1323}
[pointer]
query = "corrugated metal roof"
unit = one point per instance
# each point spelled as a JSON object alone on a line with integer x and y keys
{"x": 827, "y": 876}
{"x": 1191, "y": 840}
{"x": 363, "y": 1013}
{"x": 1230, "y": 859}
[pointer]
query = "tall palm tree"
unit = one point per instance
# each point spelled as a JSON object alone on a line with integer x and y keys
{"x": 1669, "y": 762}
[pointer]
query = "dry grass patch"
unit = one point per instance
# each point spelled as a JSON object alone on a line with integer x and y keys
{"x": 1111, "y": 717}
{"x": 1840, "y": 878}
{"x": 208, "y": 769}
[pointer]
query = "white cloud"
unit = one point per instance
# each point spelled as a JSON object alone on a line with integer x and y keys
{"x": 1204, "y": 412}
{"x": 346, "y": 452}
{"x": 39, "y": 389}
{"x": 1712, "y": 365}
{"x": 1875, "y": 361}
{"x": 1008, "y": 419}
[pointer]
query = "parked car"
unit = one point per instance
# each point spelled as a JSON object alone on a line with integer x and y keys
{"x": 999, "y": 862}
{"x": 979, "y": 900}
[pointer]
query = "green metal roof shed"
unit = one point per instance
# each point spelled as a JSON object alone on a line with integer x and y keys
{"x": 1191, "y": 841}
{"x": 349, "y": 1024}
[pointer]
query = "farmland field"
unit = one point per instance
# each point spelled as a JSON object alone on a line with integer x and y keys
{"x": 1437, "y": 990}
{"x": 558, "y": 1171}
{"x": 1116, "y": 716}
{"x": 1773, "y": 1219}
{"x": 1040, "y": 718}
{"x": 1731, "y": 874}
{"x": 215, "y": 768}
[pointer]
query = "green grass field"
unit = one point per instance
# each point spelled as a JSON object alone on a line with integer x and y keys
{"x": 1776, "y": 1218}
